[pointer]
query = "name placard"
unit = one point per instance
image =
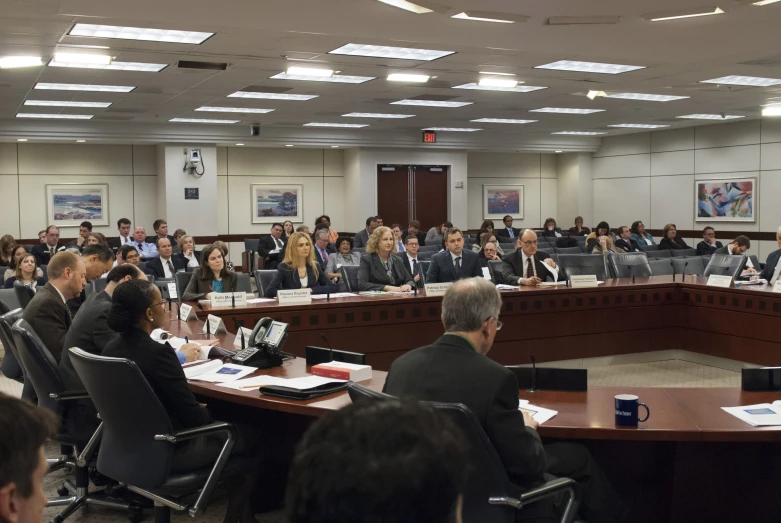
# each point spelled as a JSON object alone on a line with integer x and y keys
{"x": 172, "y": 294}
{"x": 719, "y": 280}
{"x": 583, "y": 280}
{"x": 777, "y": 285}
{"x": 186, "y": 312}
{"x": 294, "y": 296}
{"x": 216, "y": 325}
{"x": 229, "y": 299}
{"x": 237, "y": 340}
{"x": 437, "y": 289}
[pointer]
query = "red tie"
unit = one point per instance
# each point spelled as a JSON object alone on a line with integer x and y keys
{"x": 529, "y": 268}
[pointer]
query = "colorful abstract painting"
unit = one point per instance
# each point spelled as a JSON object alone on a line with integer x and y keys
{"x": 726, "y": 200}
{"x": 501, "y": 200}
{"x": 272, "y": 203}
{"x": 70, "y": 204}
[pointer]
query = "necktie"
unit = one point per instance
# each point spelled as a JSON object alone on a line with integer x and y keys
{"x": 414, "y": 267}
{"x": 458, "y": 265}
{"x": 51, "y": 251}
{"x": 401, "y": 246}
{"x": 277, "y": 242}
{"x": 323, "y": 256}
{"x": 171, "y": 267}
{"x": 529, "y": 268}
{"x": 510, "y": 230}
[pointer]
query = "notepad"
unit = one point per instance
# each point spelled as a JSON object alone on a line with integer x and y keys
{"x": 218, "y": 372}
{"x": 538, "y": 414}
{"x": 760, "y": 415}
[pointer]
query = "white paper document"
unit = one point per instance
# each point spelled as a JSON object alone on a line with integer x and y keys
{"x": 552, "y": 284}
{"x": 253, "y": 383}
{"x": 309, "y": 382}
{"x": 539, "y": 414}
{"x": 333, "y": 295}
{"x": 218, "y": 372}
{"x": 505, "y": 287}
{"x": 760, "y": 415}
{"x": 260, "y": 300}
{"x": 760, "y": 281}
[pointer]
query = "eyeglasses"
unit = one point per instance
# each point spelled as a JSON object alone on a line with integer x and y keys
{"x": 530, "y": 242}
{"x": 156, "y": 304}
{"x": 498, "y": 323}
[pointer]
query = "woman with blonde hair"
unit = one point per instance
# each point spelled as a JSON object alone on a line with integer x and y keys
{"x": 380, "y": 270}
{"x": 96, "y": 238}
{"x": 299, "y": 270}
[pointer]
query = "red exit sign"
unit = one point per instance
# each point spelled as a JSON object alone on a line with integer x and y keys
{"x": 429, "y": 137}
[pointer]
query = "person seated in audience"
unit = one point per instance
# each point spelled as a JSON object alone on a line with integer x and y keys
{"x": 456, "y": 369}
{"x": 605, "y": 246}
{"x": 454, "y": 263}
{"x": 488, "y": 253}
{"x": 410, "y": 259}
{"x": 137, "y": 308}
{"x": 379, "y": 269}
{"x": 398, "y": 237}
{"x": 212, "y": 276}
{"x": 48, "y": 313}
{"x": 7, "y": 244}
{"x": 161, "y": 230}
{"x": 303, "y": 228}
{"x": 123, "y": 227}
{"x": 772, "y": 268}
{"x": 272, "y": 247}
{"x": 670, "y": 239}
{"x": 602, "y": 229}
{"x": 98, "y": 260}
{"x": 301, "y": 269}
{"x": 178, "y": 233}
{"x": 738, "y": 247}
{"x": 146, "y": 250}
{"x": 343, "y": 256}
{"x": 26, "y": 429}
{"x": 414, "y": 229}
{"x": 436, "y": 235}
{"x": 579, "y": 230}
{"x": 708, "y": 245}
{"x": 323, "y": 247}
{"x": 166, "y": 265}
{"x": 187, "y": 253}
{"x": 128, "y": 254}
{"x": 44, "y": 252}
{"x": 223, "y": 247}
{"x": 287, "y": 228}
{"x": 484, "y": 238}
{"x": 26, "y": 273}
{"x": 379, "y": 221}
{"x": 361, "y": 238}
{"x": 85, "y": 228}
{"x": 42, "y": 236}
{"x": 417, "y": 474}
{"x": 508, "y": 231}
{"x": 18, "y": 252}
{"x": 640, "y": 235}
{"x": 333, "y": 235}
{"x": 625, "y": 242}
{"x": 96, "y": 238}
{"x": 486, "y": 226}
{"x": 550, "y": 230}
{"x": 528, "y": 266}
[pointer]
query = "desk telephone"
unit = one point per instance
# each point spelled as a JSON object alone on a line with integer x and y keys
{"x": 264, "y": 347}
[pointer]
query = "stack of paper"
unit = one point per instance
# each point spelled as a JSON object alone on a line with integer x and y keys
{"x": 333, "y": 295}
{"x": 538, "y": 414}
{"x": 255, "y": 382}
{"x": 760, "y": 415}
{"x": 504, "y": 287}
{"x": 760, "y": 281}
{"x": 217, "y": 372}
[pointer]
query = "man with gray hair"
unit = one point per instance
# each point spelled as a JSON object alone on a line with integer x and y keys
{"x": 455, "y": 369}
{"x": 323, "y": 246}
{"x": 772, "y": 269}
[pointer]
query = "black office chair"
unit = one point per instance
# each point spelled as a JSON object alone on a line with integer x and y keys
{"x": 495, "y": 269}
{"x": 725, "y": 264}
{"x": 426, "y": 255}
{"x": 661, "y": 266}
{"x": 424, "y": 265}
{"x": 568, "y": 250}
{"x": 45, "y": 270}
{"x": 350, "y": 277}
{"x": 692, "y": 265}
{"x": 138, "y": 450}
{"x": 584, "y": 264}
{"x": 263, "y": 280}
{"x": 621, "y": 263}
{"x": 648, "y": 248}
{"x": 182, "y": 279}
{"x": 23, "y": 293}
{"x": 142, "y": 266}
{"x": 659, "y": 253}
{"x": 489, "y": 496}
{"x": 243, "y": 282}
{"x": 680, "y": 253}
{"x": 425, "y": 248}
{"x": 3, "y": 268}
{"x": 12, "y": 368}
{"x": 162, "y": 284}
{"x": 251, "y": 244}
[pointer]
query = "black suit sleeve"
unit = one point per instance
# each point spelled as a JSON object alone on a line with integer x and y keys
{"x": 770, "y": 265}
{"x": 508, "y": 273}
{"x": 324, "y": 285}
{"x": 276, "y": 283}
{"x": 477, "y": 269}
{"x": 432, "y": 276}
{"x": 191, "y": 292}
{"x": 364, "y": 276}
{"x": 172, "y": 385}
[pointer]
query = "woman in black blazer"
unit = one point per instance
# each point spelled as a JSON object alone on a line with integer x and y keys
{"x": 214, "y": 276}
{"x": 379, "y": 270}
{"x": 299, "y": 269}
{"x": 670, "y": 240}
{"x": 187, "y": 252}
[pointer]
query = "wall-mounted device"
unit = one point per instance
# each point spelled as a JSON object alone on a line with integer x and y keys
{"x": 254, "y": 129}
{"x": 192, "y": 162}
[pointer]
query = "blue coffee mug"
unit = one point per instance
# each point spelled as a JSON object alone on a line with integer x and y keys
{"x": 626, "y": 410}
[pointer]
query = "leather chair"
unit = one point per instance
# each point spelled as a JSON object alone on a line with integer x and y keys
{"x": 45, "y": 270}
{"x": 584, "y": 264}
{"x": 138, "y": 450}
{"x": 426, "y": 255}
{"x": 9, "y": 300}
{"x": 725, "y": 264}
{"x": 243, "y": 282}
{"x": 350, "y": 277}
{"x": 425, "y": 248}
{"x": 661, "y": 266}
{"x": 99, "y": 285}
{"x": 3, "y": 268}
{"x": 12, "y": 367}
{"x": 424, "y": 265}
{"x": 251, "y": 244}
{"x": 23, "y": 293}
{"x": 621, "y": 263}
{"x": 489, "y": 496}
{"x": 649, "y": 248}
{"x": 162, "y": 284}
{"x": 692, "y": 265}
{"x": 495, "y": 269}
{"x": 263, "y": 279}
{"x": 659, "y": 253}
{"x": 182, "y": 279}
{"x": 681, "y": 253}
{"x": 567, "y": 250}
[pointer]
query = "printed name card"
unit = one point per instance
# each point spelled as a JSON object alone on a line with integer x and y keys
{"x": 237, "y": 340}
{"x": 583, "y": 280}
{"x": 229, "y": 299}
{"x": 186, "y": 312}
{"x": 718, "y": 280}
{"x": 294, "y": 296}
{"x": 172, "y": 294}
{"x": 216, "y": 325}
{"x": 437, "y": 289}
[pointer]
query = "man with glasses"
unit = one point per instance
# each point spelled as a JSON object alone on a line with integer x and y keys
{"x": 708, "y": 244}
{"x": 528, "y": 266}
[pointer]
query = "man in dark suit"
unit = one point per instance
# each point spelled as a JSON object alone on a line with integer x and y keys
{"x": 455, "y": 369}
{"x": 410, "y": 259}
{"x": 508, "y": 231}
{"x": 414, "y": 230}
{"x": 44, "y": 251}
{"x": 123, "y": 226}
{"x": 272, "y": 248}
{"x": 161, "y": 230}
{"x": 166, "y": 265}
{"x": 738, "y": 247}
{"x": 625, "y": 241}
{"x": 361, "y": 238}
{"x": 455, "y": 262}
{"x": 323, "y": 247}
{"x": 47, "y": 313}
{"x": 772, "y": 268}
{"x": 708, "y": 245}
{"x": 528, "y": 266}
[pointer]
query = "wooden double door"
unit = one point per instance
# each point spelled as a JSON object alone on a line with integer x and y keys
{"x": 412, "y": 192}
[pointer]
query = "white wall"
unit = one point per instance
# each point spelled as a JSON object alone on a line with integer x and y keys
{"x": 198, "y": 217}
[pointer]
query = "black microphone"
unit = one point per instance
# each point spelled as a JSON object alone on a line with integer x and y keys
{"x": 233, "y": 300}
{"x": 533, "y": 389}
{"x": 169, "y": 304}
{"x": 239, "y": 324}
{"x": 415, "y": 287}
{"x": 683, "y": 276}
{"x": 631, "y": 273}
{"x": 673, "y": 266}
{"x": 328, "y": 294}
{"x": 328, "y": 343}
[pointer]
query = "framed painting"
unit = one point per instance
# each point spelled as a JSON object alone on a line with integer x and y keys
{"x": 501, "y": 200}
{"x": 276, "y": 203}
{"x": 726, "y": 200}
{"x": 69, "y": 204}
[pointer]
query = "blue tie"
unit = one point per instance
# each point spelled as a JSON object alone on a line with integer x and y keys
{"x": 510, "y": 231}
{"x": 414, "y": 267}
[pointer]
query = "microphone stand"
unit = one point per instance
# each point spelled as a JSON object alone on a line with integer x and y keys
{"x": 533, "y": 388}
{"x": 673, "y": 266}
{"x": 631, "y": 273}
{"x": 208, "y": 325}
{"x": 683, "y": 276}
{"x": 328, "y": 343}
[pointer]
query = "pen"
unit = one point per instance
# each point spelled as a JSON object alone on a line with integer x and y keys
{"x": 186, "y": 339}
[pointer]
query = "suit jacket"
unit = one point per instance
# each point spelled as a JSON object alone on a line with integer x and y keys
{"x": 267, "y": 244}
{"x": 186, "y": 261}
{"x": 770, "y": 265}
{"x": 513, "y": 269}
{"x": 361, "y": 238}
{"x": 706, "y": 249}
{"x": 666, "y": 243}
{"x": 402, "y": 256}
{"x": 198, "y": 288}
{"x": 640, "y": 241}
{"x": 722, "y": 250}
{"x": 372, "y": 275}
{"x": 161, "y": 368}
{"x": 421, "y": 236}
{"x": 39, "y": 282}
{"x": 443, "y": 270}
{"x": 584, "y": 231}
{"x": 287, "y": 279}
{"x": 155, "y": 266}
{"x": 451, "y": 370}
{"x": 628, "y": 245}
{"x": 116, "y": 243}
{"x": 329, "y": 250}
{"x": 502, "y": 232}
{"x": 49, "y": 317}
{"x": 41, "y": 253}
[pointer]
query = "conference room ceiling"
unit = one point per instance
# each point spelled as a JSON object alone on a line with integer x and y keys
{"x": 258, "y": 39}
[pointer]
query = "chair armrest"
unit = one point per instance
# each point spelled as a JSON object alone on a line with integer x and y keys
{"x": 547, "y": 489}
{"x": 69, "y": 395}
{"x": 212, "y": 428}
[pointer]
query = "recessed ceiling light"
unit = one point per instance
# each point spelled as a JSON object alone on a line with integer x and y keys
{"x": 431, "y": 103}
{"x": 81, "y": 58}
{"x": 558, "y": 152}
{"x": 566, "y": 110}
{"x": 490, "y": 16}
{"x": 289, "y": 145}
{"x": 309, "y": 71}
{"x": 239, "y": 144}
{"x": 589, "y": 67}
{"x": 14, "y": 62}
{"x": 56, "y": 116}
{"x": 378, "y": 115}
{"x": 52, "y": 103}
{"x": 646, "y": 97}
{"x": 140, "y": 33}
{"x": 85, "y": 87}
{"x": 334, "y": 147}
{"x": 234, "y": 110}
{"x": 384, "y": 51}
{"x": 21, "y": 139}
{"x": 516, "y": 89}
{"x": 494, "y": 73}
{"x": 337, "y": 78}
{"x": 638, "y": 126}
{"x": 452, "y": 129}
{"x": 401, "y": 77}
{"x": 497, "y": 82}
{"x": 683, "y": 13}
{"x": 347, "y": 125}
{"x": 502, "y": 120}
{"x": 407, "y": 6}
{"x": 710, "y": 116}
{"x": 201, "y": 120}
{"x": 771, "y": 111}
{"x": 580, "y": 133}
{"x": 114, "y": 66}
{"x": 81, "y": 141}
{"x": 583, "y": 20}
{"x": 272, "y": 96}
{"x": 751, "y": 81}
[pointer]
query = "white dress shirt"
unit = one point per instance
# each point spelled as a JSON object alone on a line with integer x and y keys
{"x": 166, "y": 268}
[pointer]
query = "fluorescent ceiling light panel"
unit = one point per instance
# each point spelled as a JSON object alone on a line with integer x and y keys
{"x": 751, "y": 81}
{"x": 638, "y": 126}
{"x": 114, "y": 66}
{"x": 497, "y": 82}
{"x": 502, "y": 120}
{"x": 56, "y": 116}
{"x": 683, "y": 13}
{"x": 234, "y": 110}
{"x": 646, "y": 97}
{"x": 378, "y": 115}
{"x": 140, "y": 33}
{"x": 337, "y": 78}
{"x": 201, "y": 120}
{"x": 453, "y": 129}
{"x": 589, "y": 67}
{"x": 771, "y": 111}
{"x": 85, "y": 87}
{"x": 53, "y": 103}
{"x": 309, "y": 71}
{"x": 273, "y": 96}
{"x": 408, "y": 6}
{"x": 402, "y": 77}
{"x": 82, "y": 58}
{"x": 582, "y": 20}
{"x": 580, "y": 133}
{"x": 384, "y": 51}
{"x": 516, "y": 89}
{"x": 490, "y": 16}
{"x": 431, "y": 103}
{"x": 762, "y": 2}
{"x": 494, "y": 73}
{"x": 348, "y": 125}
{"x": 710, "y": 116}
{"x": 565, "y": 110}
{"x": 14, "y": 62}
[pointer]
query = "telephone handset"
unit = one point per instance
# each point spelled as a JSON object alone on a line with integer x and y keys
{"x": 264, "y": 345}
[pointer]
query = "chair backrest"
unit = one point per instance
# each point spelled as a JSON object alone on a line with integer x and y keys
{"x": 638, "y": 261}
{"x": 549, "y": 249}
{"x": 755, "y": 262}
{"x": 162, "y": 284}
{"x": 142, "y": 266}
{"x": 39, "y": 365}
{"x": 663, "y": 253}
{"x": 682, "y": 253}
{"x": 12, "y": 366}
{"x": 263, "y": 279}
{"x": 350, "y": 277}
{"x": 128, "y": 451}
{"x": 424, "y": 265}
{"x": 251, "y": 244}
{"x": 568, "y": 250}
{"x": 495, "y": 269}
{"x": 426, "y": 255}
{"x": 3, "y": 268}
{"x": 426, "y": 248}
{"x": 695, "y": 265}
{"x": 9, "y": 300}
{"x": 243, "y": 282}
{"x": 23, "y": 293}
{"x": 660, "y": 266}
{"x": 45, "y": 270}
{"x": 182, "y": 279}
{"x": 725, "y": 264}
{"x": 584, "y": 264}
{"x": 648, "y": 248}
